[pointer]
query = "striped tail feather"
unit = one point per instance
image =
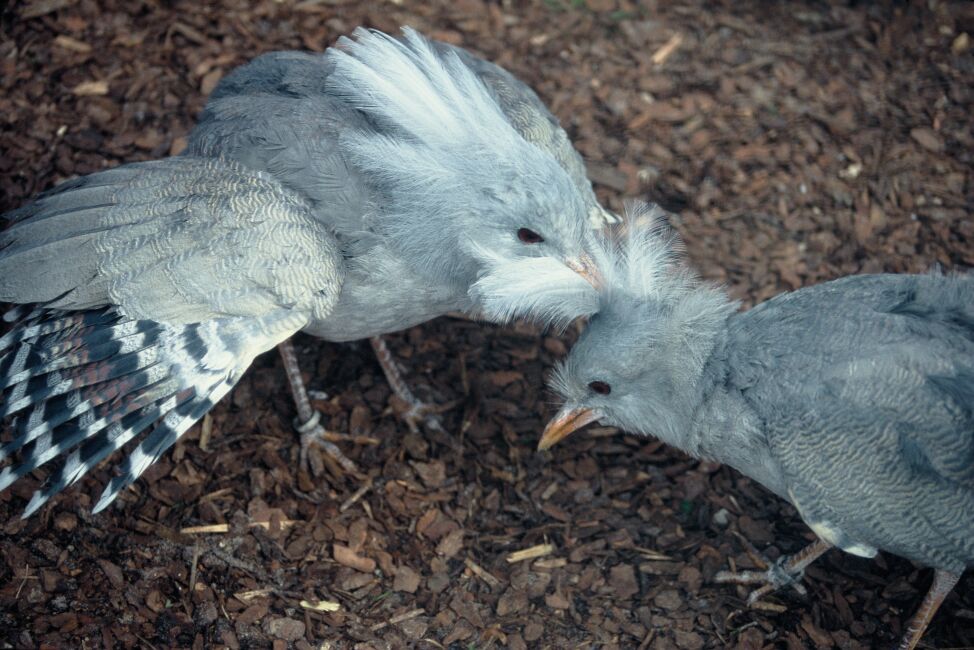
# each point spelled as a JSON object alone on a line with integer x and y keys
{"x": 83, "y": 384}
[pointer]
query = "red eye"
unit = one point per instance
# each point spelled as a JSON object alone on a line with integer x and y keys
{"x": 529, "y": 236}
{"x": 600, "y": 387}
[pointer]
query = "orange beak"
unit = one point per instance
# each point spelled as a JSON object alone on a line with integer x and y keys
{"x": 585, "y": 267}
{"x": 566, "y": 422}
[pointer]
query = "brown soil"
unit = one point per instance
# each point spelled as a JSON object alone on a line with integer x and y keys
{"x": 797, "y": 142}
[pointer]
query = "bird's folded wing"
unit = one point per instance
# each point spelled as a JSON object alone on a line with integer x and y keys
{"x": 180, "y": 240}
{"x": 288, "y": 134}
{"x": 155, "y": 285}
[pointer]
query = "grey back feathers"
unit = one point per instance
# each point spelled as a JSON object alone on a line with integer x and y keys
{"x": 853, "y": 399}
{"x": 864, "y": 387}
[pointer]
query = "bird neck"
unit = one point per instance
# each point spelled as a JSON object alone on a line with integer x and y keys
{"x": 724, "y": 428}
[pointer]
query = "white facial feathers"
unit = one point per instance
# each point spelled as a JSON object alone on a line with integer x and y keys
{"x": 543, "y": 288}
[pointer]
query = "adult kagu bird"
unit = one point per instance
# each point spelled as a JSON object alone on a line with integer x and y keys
{"x": 430, "y": 148}
{"x": 397, "y": 191}
{"x": 853, "y": 400}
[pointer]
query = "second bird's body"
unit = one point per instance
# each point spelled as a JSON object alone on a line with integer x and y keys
{"x": 853, "y": 399}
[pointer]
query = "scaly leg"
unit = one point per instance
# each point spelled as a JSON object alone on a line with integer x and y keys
{"x": 788, "y": 570}
{"x": 416, "y": 410}
{"x": 308, "y": 421}
{"x": 943, "y": 582}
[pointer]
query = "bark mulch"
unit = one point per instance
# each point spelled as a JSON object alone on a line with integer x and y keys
{"x": 795, "y": 142}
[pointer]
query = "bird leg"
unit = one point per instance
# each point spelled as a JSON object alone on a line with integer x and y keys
{"x": 943, "y": 582}
{"x": 788, "y": 570}
{"x": 416, "y": 410}
{"x": 308, "y": 421}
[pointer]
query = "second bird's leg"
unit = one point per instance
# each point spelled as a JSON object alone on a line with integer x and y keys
{"x": 308, "y": 421}
{"x": 416, "y": 410}
{"x": 788, "y": 570}
{"x": 943, "y": 582}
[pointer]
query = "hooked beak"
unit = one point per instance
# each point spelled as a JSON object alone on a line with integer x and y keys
{"x": 585, "y": 266}
{"x": 567, "y": 421}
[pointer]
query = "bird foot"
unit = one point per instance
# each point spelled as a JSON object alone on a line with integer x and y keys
{"x": 788, "y": 571}
{"x": 414, "y": 412}
{"x": 314, "y": 435}
{"x": 777, "y": 576}
{"x": 404, "y": 404}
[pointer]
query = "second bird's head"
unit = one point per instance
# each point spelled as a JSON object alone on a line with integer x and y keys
{"x": 459, "y": 191}
{"x": 638, "y": 363}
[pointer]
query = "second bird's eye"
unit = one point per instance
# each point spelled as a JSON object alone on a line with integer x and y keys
{"x": 528, "y": 236}
{"x": 600, "y": 387}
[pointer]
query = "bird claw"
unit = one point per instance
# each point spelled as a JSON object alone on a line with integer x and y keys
{"x": 314, "y": 435}
{"x": 778, "y": 575}
{"x": 428, "y": 414}
{"x": 404, "y": 404}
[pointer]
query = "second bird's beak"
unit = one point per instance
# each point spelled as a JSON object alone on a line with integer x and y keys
{"x": 585, "y": 266}
{"x": 567, "y": 421}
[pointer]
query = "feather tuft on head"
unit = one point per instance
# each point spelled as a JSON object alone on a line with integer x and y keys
{"x": 404, "y": 83}
{"x": 640, "y": 257}
{"x": 647, "y": 280}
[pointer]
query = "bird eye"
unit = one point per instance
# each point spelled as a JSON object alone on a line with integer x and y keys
{"x": 600, "y": 387}
{"x": 528, "y": 236}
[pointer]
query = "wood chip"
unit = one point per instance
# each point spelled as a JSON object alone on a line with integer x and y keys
{"x": 91, "y": 88}
{"x": 482, "y": 573}
{"x": 40, "y": 8}
{"x": 406, "y": 580}
{"x": 650, "y": 554}
{"x": 347, "y": 557}
{"x": 72, "y": 44}
{"x": 223, "y": 528}
{"x": 321, "y": 605}
{"x": 552, "y": 563}
{"x": 359, "y": 493}
{"x": 247, "y": 596}
{"x": 191, "y": 33}
{"x": 662, "y": 54}
{"x": 395, "y": 620}
{"x": 450, "y": 545}
{"x": 206, "y": 429}
{"x": 530, "y": 553}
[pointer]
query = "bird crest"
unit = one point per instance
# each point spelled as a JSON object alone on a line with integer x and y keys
{"x": 641, "y": 257}
{"x": 431, "y": 96}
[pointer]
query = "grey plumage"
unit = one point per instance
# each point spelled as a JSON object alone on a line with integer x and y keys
{"x": 853, "y": 399}
{"x": 181, "y": 240}
{"x": 350, "y": 194}
{"x": 204, "y": 265}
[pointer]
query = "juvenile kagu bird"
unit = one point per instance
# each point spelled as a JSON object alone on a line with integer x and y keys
{"x": 853, "y": 400}
{"x": 345, "y": 195}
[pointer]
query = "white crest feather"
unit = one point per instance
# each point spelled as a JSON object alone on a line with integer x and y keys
{"x": 640, "y": 257}
{"x": 432, "y": 96}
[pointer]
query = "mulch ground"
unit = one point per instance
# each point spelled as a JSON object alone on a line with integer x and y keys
{"x": 796, "y": 142}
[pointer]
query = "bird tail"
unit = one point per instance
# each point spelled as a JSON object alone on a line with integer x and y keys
{"x": 85, "y": 383}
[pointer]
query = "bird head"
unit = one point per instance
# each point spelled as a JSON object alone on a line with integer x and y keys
{"x": 637, "y": 363}
{"x": 459, "y": 191}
